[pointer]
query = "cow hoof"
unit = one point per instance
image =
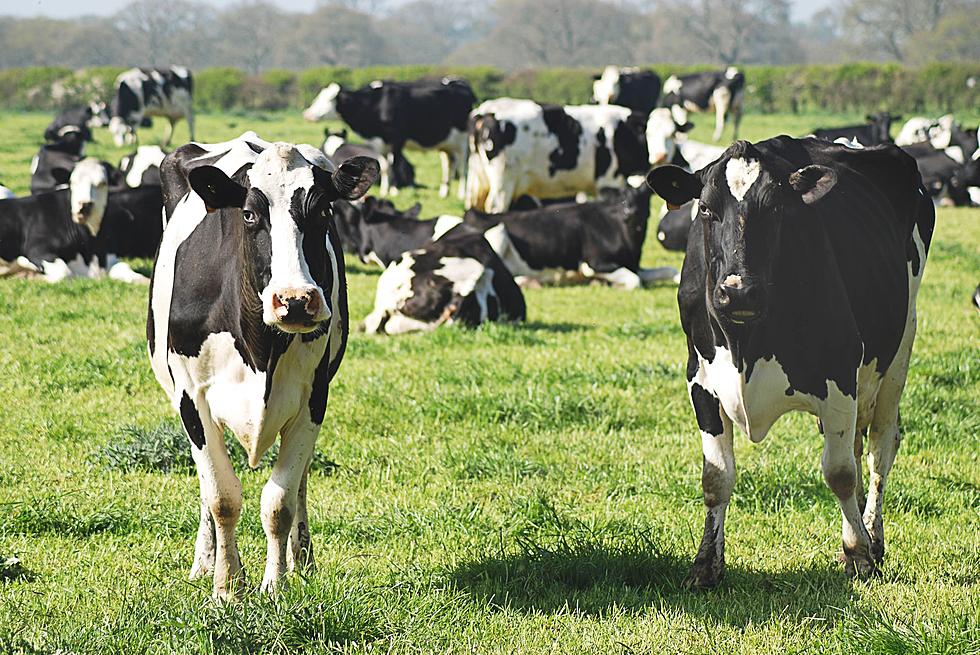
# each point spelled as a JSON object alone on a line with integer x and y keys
{"x": 199, "y": 570}
{"x": 703, "y": 577}
{"x": 859, "y": 567}
{"x": 877, "y": 551}
{"x": 272, "y": 586}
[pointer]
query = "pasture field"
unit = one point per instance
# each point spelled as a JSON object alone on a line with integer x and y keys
{"x": 510, "y": 489}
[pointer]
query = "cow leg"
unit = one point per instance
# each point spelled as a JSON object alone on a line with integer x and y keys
{"x": 385, "y": 167}
{"x": 221, "y": 491}
{"x": 840, "y": 473}
{"x": 280, "y": 494}
{"x": 393, "y": 157}
{"x": 717, "y": 482}
{"x": 190, "y": 124}
{"x": 299, "y": 556}
{"x": 204, "y": 545}
{"x": 721, "y": 99}
{"x": 621, "y": 278}
{"x": 448, "y": 165}
{"x": 168, "y": 134}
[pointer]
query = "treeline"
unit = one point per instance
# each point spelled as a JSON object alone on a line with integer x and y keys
{"x": 935, "y": 88}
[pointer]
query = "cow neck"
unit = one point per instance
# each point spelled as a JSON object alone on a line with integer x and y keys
{"x": 357, "y": 119}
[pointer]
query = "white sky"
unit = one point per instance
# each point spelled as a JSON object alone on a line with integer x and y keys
{"x": 802, "y": 9}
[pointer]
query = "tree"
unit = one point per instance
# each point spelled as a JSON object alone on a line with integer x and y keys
{"x": 335, "y": 36}
{"x": 250, "y": 34}
{"x": 154, "y": 30}
{"x": 955, "y": 38}
{"x": 885, "y": 27}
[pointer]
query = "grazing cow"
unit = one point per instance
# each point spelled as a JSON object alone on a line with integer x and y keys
{"x": 421, "y": 115}
{"x": 53, "y": 163}
{"x": 456, "y": 279}
{"x": 82, "y": 118}
{"x": 338, "y": 149}
{"x": 521, "y": 147}
{"x": 145, "y": 92}
{"x": 378, "y": 233}
{"x": 697, "y": 92}
{"x": 599, "y": 240}
{"x": 246, "y": 328}
{"x": 77, "y": 231}
{"x": 876, "y": 131}
{"x": 142, "y": 167}
{"x": 798, "y": 293}
{"x": 627, "y": 87}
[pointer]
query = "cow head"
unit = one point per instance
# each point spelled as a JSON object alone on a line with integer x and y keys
{"x": 89, "y": 190}
{"x": 661, "y": 133}
{"x": 122, "y": 132}
{"x": 283, "y": 205}
{"x": 332, "y": 141}
{"x": 742, "y": 203}
{"x": 606, "y": 87}
{"x": 324, "y": 106}
{"x": 881, "y": 123}
{"x": 99, "y": 114}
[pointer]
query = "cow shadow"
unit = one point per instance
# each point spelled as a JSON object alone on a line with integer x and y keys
{"x": 556, "y": 327}
{"x": 601, "y": 580}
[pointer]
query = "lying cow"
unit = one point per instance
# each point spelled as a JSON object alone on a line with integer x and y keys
{"x": 401, "y": 173}
{"x": 547, "y": 151}
{"x": 456, "y": 279}
{"x": 721, "y": 91}
{"x": 142, "y": 168}
{"x": 633, "y": 88}
{"x": 420, "y": 115}
{"x": 798, "y": 294}
{"x": 877, "y": 130}
{"x": 53, "y": 163}
{"x": 76, "y": 231}
{"x": 144, "y": 92}
{"x": 946, "y": 180}
{"x": 77, "y": 119}
{"x": 247, "y": 327}
{"x": 599, "y": 240}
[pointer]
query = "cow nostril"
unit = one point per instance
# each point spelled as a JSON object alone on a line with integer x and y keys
{"x": 312, "y": 304}
{"x": 721, "y": 296}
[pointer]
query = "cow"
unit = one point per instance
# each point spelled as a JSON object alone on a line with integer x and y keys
{"x": 876, "y": 131}
{"x": 79, "y": 231}
{"x": 599, "y": 240}
{"x": 798, "y": 294}
{"x": 420, "y": 115}
{"x": 945, "y": 179}
{"x": 633, "y": 88}
{"x": 246, "y": 327}
{"x": 338, "y": 150}
{"x": 53, "y": 163}
{"x": 918, "y": 129}
{"x": 455, "y": 279}
{"x": 142, "y": 168}
{"x": 81, "y": 118}
{"x": 697, "y": 92}
{"x": 6, "y": 193}
{"x": 521, "y": 147}
{"x": 675, "y": 225}
{"x": 144, "y": 92}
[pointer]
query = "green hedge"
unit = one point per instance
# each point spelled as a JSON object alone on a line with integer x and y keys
{"x": 858, "y": 87}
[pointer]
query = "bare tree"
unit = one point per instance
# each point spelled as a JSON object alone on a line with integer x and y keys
{"x": 727, "y": 30}
{"x": 249, "y": 34}
{"x": 886, "y": 26}
{"x": 152, "y": 28}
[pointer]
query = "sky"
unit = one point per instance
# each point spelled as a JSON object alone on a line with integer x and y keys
{"x": 802, "y": 9}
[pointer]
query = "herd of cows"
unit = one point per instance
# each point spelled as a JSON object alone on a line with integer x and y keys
{"x": 803, "y": 260}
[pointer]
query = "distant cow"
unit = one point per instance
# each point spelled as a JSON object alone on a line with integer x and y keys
{"x": 675, "y": 225}
{"x": 142, "y": 167}
{"x": 697, "y": 92}
{"x": 876, "y": 131}
{"x": 946, "y": 179}
{"x": 599, "y": 240}
{"x": 798, "y": 294}
{"x": 6, "y": 193}
{"x": 53, "y": 163}
{"x": 82, "y": 118}
{"x": 246, "y": 328}
{"x": 456, "y": 279}
{"x": 338, "y": 149}
{"x": 521, "y": 147}
{"x": 918, "y": 129}
{"x": 421, "y": 115}
{"x": 77, "y": 231}
{"x": 633, "y": 88}
{"x": 145, "y": 92}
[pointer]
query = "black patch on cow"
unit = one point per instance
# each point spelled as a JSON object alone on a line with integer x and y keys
{"x": 328, "y": 366}
{"x": 254, "y": 146}
{"x": 603, "y": 158}
{"x": 191, "y": 420}
{"x": 707, "y": 410}
{"x": 127, "y": 102}
{"x": 297, "y": 207}
{"x": 630, "y": 145}
{"x": 568, "y": 132}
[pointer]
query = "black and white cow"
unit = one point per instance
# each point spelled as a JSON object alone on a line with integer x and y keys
{"x": 83, "y": 118}
{"x": 420, "y": 115}
{"x": 54, "y": 162}
{"x": 599, "y": 240}
{"x": 877, "y": 130}
{"x": 522, "y": 147}
{"x": 456, "y": 279}
{"x": 636, "y": 89}
{"x": 6, "y": 193}
{"x": 719, "y": 90}
{"x": 338, "y": 150}
{"x": 144, "y": 92}
{"x": 81, "y": 230}
{"x": 247, "y": 326}
{"x": 798, "y": 294}
{"x": 675, "y": 225}
{"x": 142, "y": 167}
{"x": 946, "y": 180}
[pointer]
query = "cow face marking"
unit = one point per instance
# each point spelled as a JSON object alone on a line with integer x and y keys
{"x": 661, "y": 132}
{"x": 89, "y": 185}
{"x": 741, "y": 174}
{"x": 324, "y": 106}
{"x": 606, "y": 88}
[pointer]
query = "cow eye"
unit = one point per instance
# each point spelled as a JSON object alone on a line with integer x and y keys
{"x": 325, "y": 212}
{"x": 710, "y": 215}
{"x": 248, "y": 216}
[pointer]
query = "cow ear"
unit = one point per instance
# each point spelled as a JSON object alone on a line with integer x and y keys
{"x": 216, "y": 189}
{"x": 813, "y": 182}
{"x": 686, "y": 127}
{"x": 674, "y": 184}
{"x": 355, "y": 176}
{"x": 61, "y": 175}
{"x": 413, "y": 211}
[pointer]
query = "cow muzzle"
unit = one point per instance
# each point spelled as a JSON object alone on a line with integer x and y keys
{"x": 83, "y": 212}
{"x": 298, "y": 310}
{"x": 739, "y": 300}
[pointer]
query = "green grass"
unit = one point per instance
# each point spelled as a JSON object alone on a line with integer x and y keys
{"x": 509, "y": 489}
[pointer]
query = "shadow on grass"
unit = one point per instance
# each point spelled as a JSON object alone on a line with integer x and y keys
{"x": 558, "y": 327}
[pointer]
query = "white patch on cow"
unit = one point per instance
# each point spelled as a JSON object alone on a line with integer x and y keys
{"x": 606, "y": 88}
{"x": 661, "y": 133}
{"x": 741, "y": 174}
{"x": 956, "y": 154}
{"x": 733, "y": 281}
{"x": 324, "y": 106}
{"x": 974, "y": 193}
{"x": 144, "y": 158}
{"x": 6, "y": 193}
{"x": 393, "y": 290}
{"x": 464, "y": 273}
{"x": 331, "y": 143}
{"x": 122, "y": 272}
{"x": 698, "y": 155}
{"x": 89, "y": 186}
{"x": 672, "y": 85}
{"x": 695, "y": 208}
{"x": 680, "y": 112}
{"x": 661, "y": 236}
{"x": 122, "y": 134}
{"x": 34, "y": 163}
{"x": 443, "y": 224}
{"x": 376, "y": 84}
{"x": 731, "y": 72}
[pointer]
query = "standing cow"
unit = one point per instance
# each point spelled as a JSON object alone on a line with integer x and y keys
{"x": 636, "y": 89}
{"x": 798, "y": 294}
{"x": 247, "y": 326}
{"x": 144, "y": 92}
{"x": 421, "y": 115}
{"x": 718, "y": 90}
